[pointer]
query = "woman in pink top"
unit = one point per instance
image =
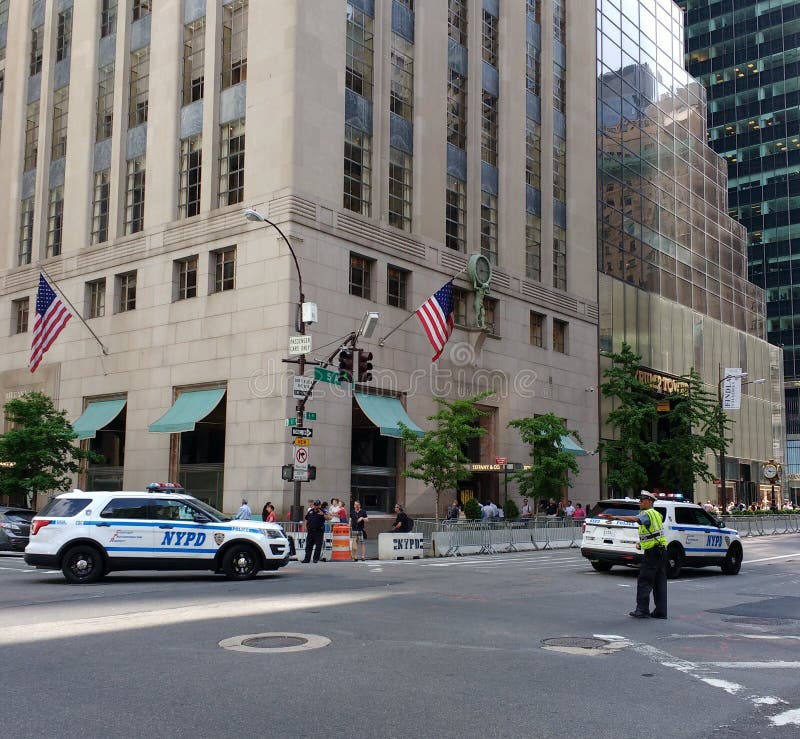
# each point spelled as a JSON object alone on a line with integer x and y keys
{"x": 269, "y": 511}
{"x": 579, "y": 513}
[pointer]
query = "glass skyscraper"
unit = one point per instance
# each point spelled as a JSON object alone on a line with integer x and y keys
{"x": 747, "y": 55}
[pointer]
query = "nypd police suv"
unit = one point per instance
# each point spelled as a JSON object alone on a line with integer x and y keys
{"x": 694, "y": 537}
{"x": 87, "y": 535}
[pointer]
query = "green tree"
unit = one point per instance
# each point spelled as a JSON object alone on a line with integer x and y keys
{"x": 551, "y": 465}
{"x": 40, "y": 447}
{"x": 510, "y": 509}
{"x": 472, "y": 509}
{"x": 633, "y": 417}
{"x": 696, "y": 423}
{"x": 440, "y": 456}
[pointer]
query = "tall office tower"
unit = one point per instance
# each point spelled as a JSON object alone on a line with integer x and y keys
{"x": 389, "y": 140}
{"x": 673, "y": 272}
{"x": 747, "y": 55}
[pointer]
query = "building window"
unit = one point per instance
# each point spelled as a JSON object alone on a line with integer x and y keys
{"x": 396, "y": 286}
{"x": 191, "y": 171}
{"x": 231, "y": 163}
{"x": 63, "y": 34}
{"x": 490, "y": 34}
{"x": 139, "y": 87}
{"x": 357, "y": 170}
{"x": 25, "y": 232}
{"x": 533, "y": 154}
{"x": 126, "y": 292}
{"x": 559, "y": 168}
{"x": 489, "y": 129}
{"x": 31, "y": 136}
{"x": 60, "y": 115}
{"x": 489, "y": 226}
{"x": 104, "y": 125}
{"x": 560, "y": 21}
{"x": 534, "y": 10}
{"x": 358, "y": 70}
{"x": 3, "y": 12}
{"x": 134, "y": 196}
{"x": 185, "y": 278}
{"x": 234, "y": 43}
{"x": 141, "y": 8}
{"x": 463, "y": 309}
{"x": 559, "y": 336}
{"x": 37, "y": 46}
{"x": 224, "y": 269}
{"x": 361, "y": 276}
{"x": 559, "y": 88}
{"x": 457, "y": 21}
{"x": 108, "y": 18}
{"x": 400, "y": 177}
{"x": 401, "y": 101}
{"x": 457, "y": 109}
{"x": 537, "y": 329}
{"x": 533, "y": 247}
{"x": 19, "y": 315}
{"x": 559, "y": 258}
{"x": 55, "y": 221}
{"x": 96, "y": 298}
{"x": 533, "y": 69}
{"x": 194, "y": 35}
{"x": 455, "y": 218}
{"x": 100, "y": 207}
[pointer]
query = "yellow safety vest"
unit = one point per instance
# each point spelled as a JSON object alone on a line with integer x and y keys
{"x": 652, "y": 535}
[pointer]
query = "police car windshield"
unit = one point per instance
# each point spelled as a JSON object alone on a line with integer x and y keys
{"x": 210, "y": 510}
{"x": 616, "y": 508}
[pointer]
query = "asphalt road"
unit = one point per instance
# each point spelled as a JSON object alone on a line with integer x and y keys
{"x": 422, "y": 648}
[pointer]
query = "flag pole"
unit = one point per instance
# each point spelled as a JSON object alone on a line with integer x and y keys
{"x": 382, "y": 342}
{"x": 103, "y": 347}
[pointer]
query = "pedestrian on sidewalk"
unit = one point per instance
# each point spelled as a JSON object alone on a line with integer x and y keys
{"x": 315, "y": 532}
{"x": 244, "y": 513}
{"x": 653, "y": 568}
{"x": 358, "y": 519}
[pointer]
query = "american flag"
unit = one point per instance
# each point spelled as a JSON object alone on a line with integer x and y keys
{"x": 51, "y": 316}
{"x": 436, "y": 316}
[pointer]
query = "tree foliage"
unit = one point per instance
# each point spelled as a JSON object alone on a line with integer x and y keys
{"x": 39, "y": 446}
{"x": 551, "y": 465}
{"x": 639, "y": 456}
{"x": 440, "y": 456}
{"x": 472, "y": 509}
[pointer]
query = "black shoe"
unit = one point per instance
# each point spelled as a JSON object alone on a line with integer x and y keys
{"x": 315, "y": 561}
{"x": 305, "y": 561}
{"x": 638, "y": 614}
{"x": 657, "y": 615}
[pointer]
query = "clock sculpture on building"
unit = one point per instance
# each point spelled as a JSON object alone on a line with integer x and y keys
{"x": 480, "y": 272}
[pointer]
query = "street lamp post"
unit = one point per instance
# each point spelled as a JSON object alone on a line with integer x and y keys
{"x": 722, "y": 380}
{"x": 254, "y": 215}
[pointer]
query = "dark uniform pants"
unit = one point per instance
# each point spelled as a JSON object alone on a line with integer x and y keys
{"x": 314, "y": 540}
{"x": 652, "y": 577}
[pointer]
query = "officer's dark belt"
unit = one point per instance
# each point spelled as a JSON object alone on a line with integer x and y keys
{"x": 647, "y": 537}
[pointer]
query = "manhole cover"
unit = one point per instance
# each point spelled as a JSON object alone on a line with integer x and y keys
{"x": 273, "y": 643}
{"x": 581, "y": 642}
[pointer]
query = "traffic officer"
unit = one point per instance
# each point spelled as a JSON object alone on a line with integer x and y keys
{"x": 653, "y": 568}
{"x": 315, "y": 531}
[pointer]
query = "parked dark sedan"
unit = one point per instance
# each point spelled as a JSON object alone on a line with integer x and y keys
{"x": 15, "y": 527}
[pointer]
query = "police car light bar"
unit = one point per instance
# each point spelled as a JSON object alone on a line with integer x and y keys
{"x": 165, "y": 487}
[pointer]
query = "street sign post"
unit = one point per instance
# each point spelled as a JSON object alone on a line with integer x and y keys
{"x": 291, "y": 422}
{"x": 301, "y": 385}
{"x": 300, "y": 344}
{"x": 301, "y": 441}
{"x": 302, "y": 431}
{"x": 309, "y": 417}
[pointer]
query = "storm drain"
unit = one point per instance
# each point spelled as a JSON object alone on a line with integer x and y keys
{"x": 273, "y": 643}
{"x": 585, "y": 645}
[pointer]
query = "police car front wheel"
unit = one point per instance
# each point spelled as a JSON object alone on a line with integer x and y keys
{"x": 674, "y": 560}
{"x": 240, "y": 562}
{"x": 82, "y": 564}
{"x": 733, "y": 560}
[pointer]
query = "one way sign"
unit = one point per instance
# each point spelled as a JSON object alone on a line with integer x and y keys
{"x": 302, "y": 431}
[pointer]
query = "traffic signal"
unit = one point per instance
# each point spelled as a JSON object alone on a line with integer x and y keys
{"x": 364, "y": 366}
{"x": 346, "y": 365}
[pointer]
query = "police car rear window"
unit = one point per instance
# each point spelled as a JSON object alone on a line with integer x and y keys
{"x": 64, "y": 507}
{"x": 616, "y": 509}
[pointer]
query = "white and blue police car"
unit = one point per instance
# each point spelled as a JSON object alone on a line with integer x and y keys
{"x": 88, "y": 535}
{"x": 694, "y": 537}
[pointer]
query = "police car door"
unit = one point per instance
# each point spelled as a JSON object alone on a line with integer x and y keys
{"x": 124, "y": 528}
{"x": 699, "y": 533}
{"x": 177, "y": 534}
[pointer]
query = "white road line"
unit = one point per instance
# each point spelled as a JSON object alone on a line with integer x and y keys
{"x": 731, "y": 636}
{"x": 769, "y": 559}
{"x": 779, "y": 665}
{"x": 787, "y": 717}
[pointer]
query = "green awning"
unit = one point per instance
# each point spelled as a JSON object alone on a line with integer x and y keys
{"x": 98, "y": 415}
{"x": 190, "y": 407}
{"x": 386, "y": 414}
{"x": 568, "y": 445}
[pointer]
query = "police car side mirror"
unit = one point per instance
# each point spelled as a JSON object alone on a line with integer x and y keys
{"x": 200, "y": 518}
